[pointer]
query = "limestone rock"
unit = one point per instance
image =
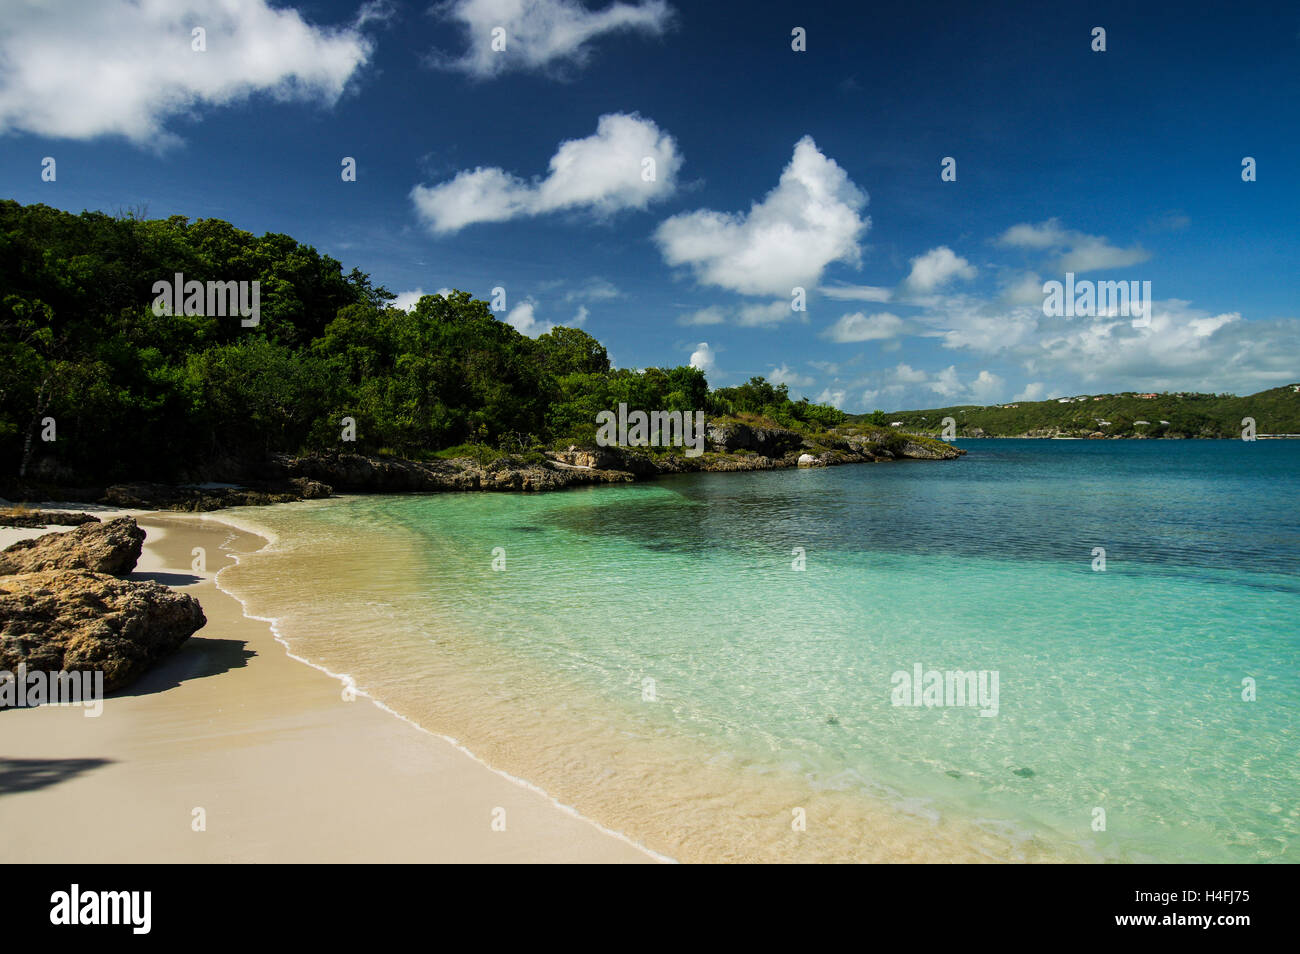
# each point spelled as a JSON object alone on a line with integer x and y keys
{"x": 112, "y": 548}
{"x": 75, "y": 620}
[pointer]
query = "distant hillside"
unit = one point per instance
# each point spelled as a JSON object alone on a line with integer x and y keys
{"x": 1127, "y": 414}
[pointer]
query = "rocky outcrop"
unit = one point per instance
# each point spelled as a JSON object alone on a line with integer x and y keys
{"x": 75, "y": 620}
{"x": 731, "y": 436}
{"x": 34, "y": 519}
{"x": 356, "y": 473}
{"x": 201, "y": 498}
{"x": 929, "y": 450}
{"x": 112, "y": 548}
{"x": 895, "y": 445}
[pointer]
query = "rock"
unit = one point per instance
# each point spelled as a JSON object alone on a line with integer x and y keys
{"x": 111, "y": 548}
{"x": 204, "y": 497}
{"x": 75, "y": 620}
{"x": 807, "y": 460}
{"x": 33, "y": 519}
{"x": 938, "y": 451}
{"x": 356, "y": 473}
{"x": 737, "y": 435}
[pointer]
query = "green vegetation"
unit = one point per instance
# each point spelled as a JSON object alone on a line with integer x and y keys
{"x": 138, "y": 396}
{"x": 762, "y": 400}
{"x": 1129, "y": 414}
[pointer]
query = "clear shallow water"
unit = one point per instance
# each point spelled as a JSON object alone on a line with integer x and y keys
{"x": 1118, "y": 690}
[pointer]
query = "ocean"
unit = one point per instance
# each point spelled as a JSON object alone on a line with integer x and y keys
{"x": 721, "y": 666}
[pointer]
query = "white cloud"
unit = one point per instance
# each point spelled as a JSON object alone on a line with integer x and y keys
{"x": 1025, "y": 288}
{"x": 1033, "y": 391}
{"x": 703, "y": 357}
{"x": 523, "y": 318}
{"x": 859, "y": 327}
{"x": 785, "y": 375}
{"x": 987, "y": 387}
{"x": 938, "y": 267}
{"x": 856, "y": 293}
{"x": 602, "y": 173}
{"x": 713, "y": 315}
{"x": 594, "y": 289}
{"x": 832, "y": 396}
{"x": 407, "y": 300}
{"x": 1079, "y": 252}
{"x": 1183, "y": 348}
{"x": 906, "y": 374}
{"x": 542, "y": 33}
{"x": 946, "y": 383}
{"x": 808, "y": 221}
{"x": 773, "y": 313}
{"x": 79, "y": 69}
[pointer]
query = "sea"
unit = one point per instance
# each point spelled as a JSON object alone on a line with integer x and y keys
{"x": 1075, "y": 651}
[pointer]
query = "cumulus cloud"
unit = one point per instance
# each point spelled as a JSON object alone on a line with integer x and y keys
{"x": 1182, "y": 349}
{"x": 602, "y": 173}
{"x": 859, "y": 327}
{"x": 987, "y": 387}
{"x": 80, "y": 69}
{"x": 703, "y": 357}
{"x": 543, "y": 33}
{"x": 811, "y": 219}
{"x": 832, "y": 396}
{"x": 523, "y": 318}
{"x": 1033, "y": 391}
{"x": 905, "y": 385}
{"x": 937, "y": 267}
{"x": 784, "y": 374}
{"x": 1077, "y": 251}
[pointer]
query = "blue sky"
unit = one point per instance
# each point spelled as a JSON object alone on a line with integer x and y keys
{"x": 774, "y": 169}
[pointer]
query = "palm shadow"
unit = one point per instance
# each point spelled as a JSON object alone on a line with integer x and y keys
{"x": 167, "y": 579}
{"x": 28, "y": 775}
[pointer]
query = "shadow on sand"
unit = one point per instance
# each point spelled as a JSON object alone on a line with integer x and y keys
{"x": 27, "y": 775}
{"x": 167, "y": 579}
{"x": 198, "y": 657}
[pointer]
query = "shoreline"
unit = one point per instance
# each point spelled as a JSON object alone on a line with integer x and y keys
{"x": 349, "y": 685}
{"x": 280, "y": 765}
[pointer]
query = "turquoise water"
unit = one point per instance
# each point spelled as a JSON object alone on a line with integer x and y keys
{"x": 1119, "y": 691}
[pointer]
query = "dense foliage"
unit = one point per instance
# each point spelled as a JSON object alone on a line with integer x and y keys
{"x": 759, "y": 397}
{"x": 135, "y": 395}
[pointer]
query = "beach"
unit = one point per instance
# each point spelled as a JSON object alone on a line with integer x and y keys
{"x": 233, "y": 751}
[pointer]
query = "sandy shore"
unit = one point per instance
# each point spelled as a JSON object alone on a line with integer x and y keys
{"x": 266, "y": 750}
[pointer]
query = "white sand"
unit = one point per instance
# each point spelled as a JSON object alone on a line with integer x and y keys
{"x": 283, "y": 768}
